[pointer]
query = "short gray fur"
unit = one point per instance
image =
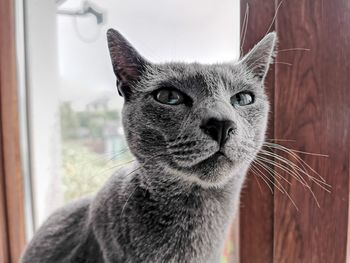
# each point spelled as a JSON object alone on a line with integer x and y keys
{"x": 175, "y": 203}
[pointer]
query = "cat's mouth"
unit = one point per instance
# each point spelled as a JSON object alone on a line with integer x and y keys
{"x": 218, "y": 155}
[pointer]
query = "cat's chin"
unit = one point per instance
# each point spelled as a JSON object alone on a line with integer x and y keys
{"x": 214, "y": 171}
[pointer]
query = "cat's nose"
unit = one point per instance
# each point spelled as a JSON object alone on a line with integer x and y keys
{"x": 218, "y": 130}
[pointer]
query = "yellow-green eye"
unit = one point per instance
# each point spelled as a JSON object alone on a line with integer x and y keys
{"x": 242, "y": 99}
{"x": 169, "y": 96}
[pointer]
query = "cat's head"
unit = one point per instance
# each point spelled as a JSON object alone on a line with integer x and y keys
{"x": 204, "y": 123}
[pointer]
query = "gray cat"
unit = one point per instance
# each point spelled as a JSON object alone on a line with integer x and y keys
{"x": 194, "y": 130}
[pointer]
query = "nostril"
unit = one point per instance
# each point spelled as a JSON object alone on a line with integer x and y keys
{"x": 228, "y": 129}
{"x": 213, "y": 128}
{"x": 231, "y": 130}
{"x": 212, "y": 131}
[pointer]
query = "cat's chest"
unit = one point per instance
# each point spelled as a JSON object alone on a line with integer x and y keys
{"x": 184, "y": 211}
{"x": 146, "y": 226}
{"x": 177, "y": 229}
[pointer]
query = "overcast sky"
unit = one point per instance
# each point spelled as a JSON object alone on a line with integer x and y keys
{"x": 162, "y": 30}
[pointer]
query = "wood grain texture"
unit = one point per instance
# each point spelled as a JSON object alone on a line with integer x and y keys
{"x": 256, "y": 213}
{"x": 312, "y": 107}
{"x": 10, "y": 149}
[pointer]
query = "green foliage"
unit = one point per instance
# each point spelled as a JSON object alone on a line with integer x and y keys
{"x": 69, "y": 121}
{"x": 92, "y": 121}
{"x": 84, "y": 171}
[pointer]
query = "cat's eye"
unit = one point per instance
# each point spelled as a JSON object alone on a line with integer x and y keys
{"x": 169, "y": 96}
{"x": 242, "y": 99}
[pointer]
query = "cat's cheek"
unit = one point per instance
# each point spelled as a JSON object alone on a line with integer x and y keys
{"x": 163, "y": 117}
{"x": 255, "y": 115}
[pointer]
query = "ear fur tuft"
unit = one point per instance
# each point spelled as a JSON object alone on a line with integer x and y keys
{"x": 261, "y": 56}
{"x": 128, "y": 64}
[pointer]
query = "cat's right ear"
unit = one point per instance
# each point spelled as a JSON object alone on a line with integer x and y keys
{"x": 128, "y": 64}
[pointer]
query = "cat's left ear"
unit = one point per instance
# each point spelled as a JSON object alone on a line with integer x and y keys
{"x": 258, "y": 60}
{"x": 128, "y": 64}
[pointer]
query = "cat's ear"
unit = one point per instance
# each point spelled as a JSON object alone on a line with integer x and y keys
{"x": 258, "y": 60}
{"x": 128, "y": 64}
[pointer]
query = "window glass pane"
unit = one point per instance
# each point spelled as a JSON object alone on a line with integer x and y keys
{"x": 76, "y": 138}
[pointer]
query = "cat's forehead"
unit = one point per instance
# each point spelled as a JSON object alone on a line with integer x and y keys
{"x": 200, "y": 77}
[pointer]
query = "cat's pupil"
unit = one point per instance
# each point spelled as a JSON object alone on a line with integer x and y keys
{"x": 242, "y": 99}
{"x": 168, "y": 96}
{"x": 173, "y": 97}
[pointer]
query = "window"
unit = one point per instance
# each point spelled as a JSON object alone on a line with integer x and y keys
{"x": 76, "y": 139}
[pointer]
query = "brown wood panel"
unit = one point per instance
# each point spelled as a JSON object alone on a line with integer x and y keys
{"x": 312, "y": 107}
{"x": 4, "y": 246}
{"x": 256, "y": 213}
{"x": 11, "y": 174}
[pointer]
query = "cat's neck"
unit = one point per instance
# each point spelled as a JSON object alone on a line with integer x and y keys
{"x": 193, "y": 210}
{"x": 165, "y": 184}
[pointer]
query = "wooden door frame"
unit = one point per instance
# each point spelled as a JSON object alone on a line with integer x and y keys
{"x": 12, "y": 218}
{"x": 310, "y": 104}
{"x": 257, "y": 204}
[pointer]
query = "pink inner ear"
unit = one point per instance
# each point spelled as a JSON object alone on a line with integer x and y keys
{"x": 128, "y": 73}
{"x": 127, "y": 63}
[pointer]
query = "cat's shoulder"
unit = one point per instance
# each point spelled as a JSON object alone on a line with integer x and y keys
{"x": 121, "y": 177}
{"x": 116, "y": 186}
{"x": 68, "y": 215}
{"x": 61, "y": 232}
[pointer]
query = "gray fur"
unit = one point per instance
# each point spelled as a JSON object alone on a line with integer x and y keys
{"x": 177, "y": 201}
